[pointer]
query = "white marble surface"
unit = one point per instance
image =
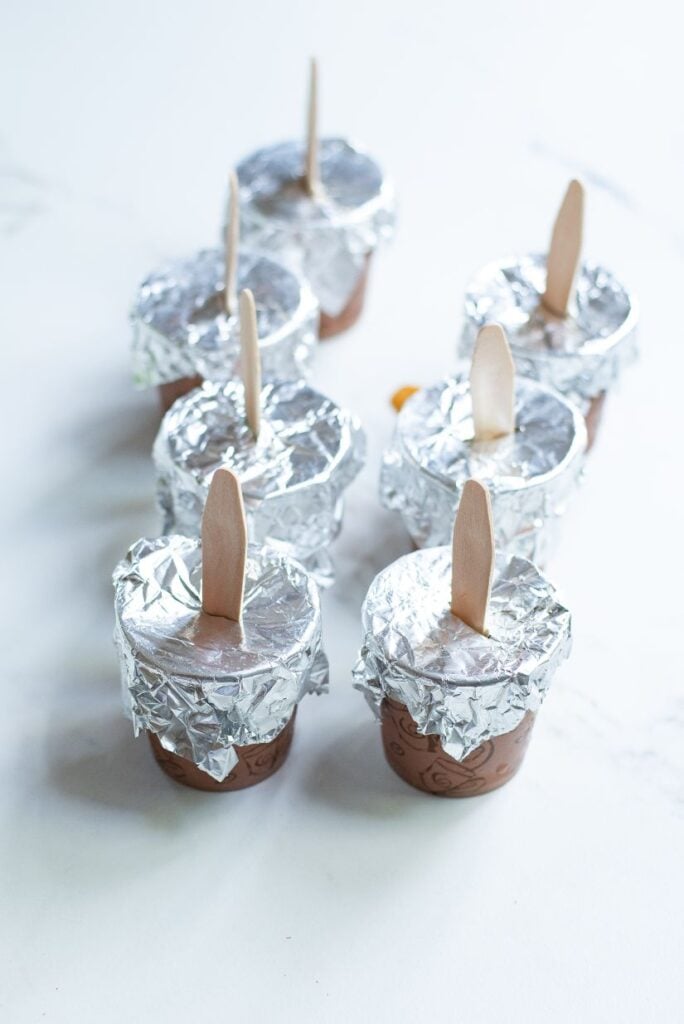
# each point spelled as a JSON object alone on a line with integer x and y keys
{"x": 333, "y": 892}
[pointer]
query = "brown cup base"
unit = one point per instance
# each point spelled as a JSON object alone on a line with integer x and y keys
{"x": 422, "y": 762}
{"x": 256, "y": 762}
{"x": 332, "y": 325}
{"x": 168, "y": 393}
{"x": 593, "y": 418}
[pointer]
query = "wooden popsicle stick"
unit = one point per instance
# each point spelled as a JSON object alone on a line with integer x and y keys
{"x": 232, "y": 242}
{"x": 250, "y": 360}
{"x": 224, "y": 547}
{"x": 492, "y": 384}
{"x": 472, "y": 562}
{"x": 312, "y": 181}
{"x": 564, "y": 253}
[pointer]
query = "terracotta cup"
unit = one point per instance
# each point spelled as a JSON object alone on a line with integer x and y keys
{"x": 332, "y": 325}
{"x": 256, "y": 762}
{"x": 422, "y": 762}
{"x": 593, "y": 418}
{"x": 168, "y": 393}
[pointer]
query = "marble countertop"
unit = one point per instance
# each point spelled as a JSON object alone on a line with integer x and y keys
{"x": 334, "y": 892}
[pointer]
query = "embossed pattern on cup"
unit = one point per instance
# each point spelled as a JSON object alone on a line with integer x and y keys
{"x": 256, "y": 762}
{"x": 422, "y": 762}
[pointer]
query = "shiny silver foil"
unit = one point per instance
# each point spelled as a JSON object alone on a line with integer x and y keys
{"x": 582, "y": 355}
{"x": 293, "y": 477}
{"x": 203, "y": 684}
{"x": 462, "y": 686}
{"x": 531, "y": 474}
{"x": 180, "y": 328}
{"x": 329, "y": 237}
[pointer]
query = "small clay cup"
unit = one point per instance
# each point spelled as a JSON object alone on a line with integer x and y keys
{"x": 332, "y": 325}
{"x": 593, "y": 418}
{"x": 422, "y": 762}
{"x": 256, "y": 762}
{"x": 168, "y": 393}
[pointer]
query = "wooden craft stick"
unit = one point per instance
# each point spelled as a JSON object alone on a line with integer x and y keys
{"x": 472, "y": 557}
{"x": 312, "y": 181}
{"x": 232, "y": 242}
{"x": 250, "y": 360}
{"x": 492, "y": 384}
{"x": 564, "y": 253}
{"x": 224, "y": 547}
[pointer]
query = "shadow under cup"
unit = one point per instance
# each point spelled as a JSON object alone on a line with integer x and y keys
{"x": 256, "y": 762}
{"x": 422, "y": 761}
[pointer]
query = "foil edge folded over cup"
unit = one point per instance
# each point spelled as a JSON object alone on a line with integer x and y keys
{"x": 509, "y": 291}
{"x": 202, "y": 711}
{"x": 455, "y": 683}
{"x": 329, "y": 250}
{"x": 293, "y": 504}
{"x": 171, "y": 339}
{"x": 527, "y": 510}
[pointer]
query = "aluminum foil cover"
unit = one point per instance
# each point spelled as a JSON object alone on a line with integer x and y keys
{"x": 180, "y": 328}
{"x": 328, "y": 237}
{"x": 457, "y": 684}
{"x": 531, "y": 474}
{"x": 582, "y": 355}
{"x": 204, "y": 684}
{"x": 293, "y": 477}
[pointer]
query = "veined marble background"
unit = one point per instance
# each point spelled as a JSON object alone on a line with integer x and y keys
{"x": 334, "y": 892}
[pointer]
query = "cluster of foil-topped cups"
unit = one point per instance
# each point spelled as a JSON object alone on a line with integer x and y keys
{"x": 253, "y": 464}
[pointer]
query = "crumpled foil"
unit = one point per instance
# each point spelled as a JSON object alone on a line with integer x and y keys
{"x": 465, "y": 687}
{"x": 531, "y": 474}
{"x": 180, "y": 328}
{"x": 327, "y": 238}
{"x": 582, "y": 355}
{"x": 293, "y": 477}
{"x": 203, "y": 684}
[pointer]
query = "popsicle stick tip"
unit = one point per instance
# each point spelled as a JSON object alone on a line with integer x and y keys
{"x": 232, "y": 242}
{"x": 312, "y": 182}
{"x": 247, "y": 303}
{"x": 250, "y": 360}
{"x": 472, "y": 563}
{"x": 233, "y": 192}
{"x": 576, "y": 187}
{"x": 564, "y": 252}
{"x": 495, "y": 331}
{"x": 224, "y": 547}
{"x": 492, "y": 384}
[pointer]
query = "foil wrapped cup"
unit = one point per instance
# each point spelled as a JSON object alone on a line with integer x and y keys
{"x": 328, "y": 238}
{"x": 208, "y": 690}
{"x": 457, "y": 707}
{"x": 531, "y": 474}
{"x": 293, "y": 477}
{"x": 582, "y": 355}
{"x": 182, "y": 335}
